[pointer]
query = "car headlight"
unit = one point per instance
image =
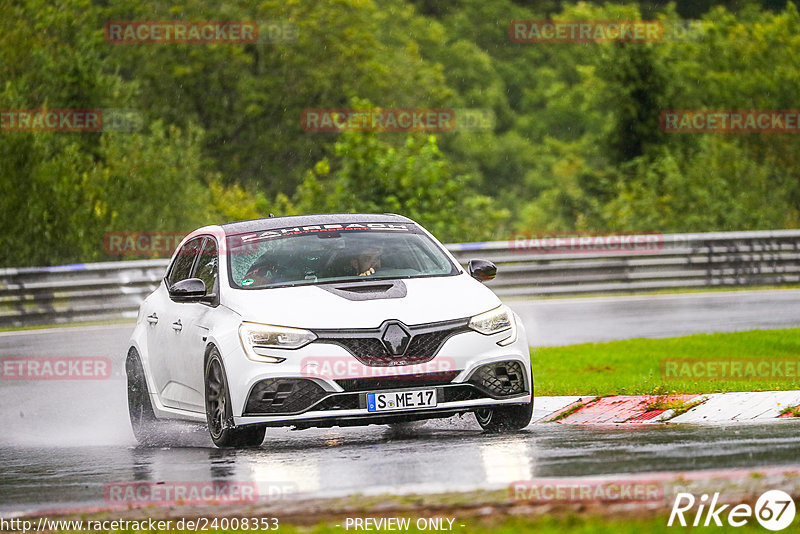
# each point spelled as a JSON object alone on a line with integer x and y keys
{"x": 500, "y": 319}
{"x": 257, "y": 339}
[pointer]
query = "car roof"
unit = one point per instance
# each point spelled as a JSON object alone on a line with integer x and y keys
{"x": 272, "y": 223}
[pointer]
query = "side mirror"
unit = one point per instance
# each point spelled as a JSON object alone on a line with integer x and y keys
{"x": 189, "y": 290}
{"x": 481, "y": 270}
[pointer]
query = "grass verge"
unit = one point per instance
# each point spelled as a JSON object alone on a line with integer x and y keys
{"x": 638, "y": 366}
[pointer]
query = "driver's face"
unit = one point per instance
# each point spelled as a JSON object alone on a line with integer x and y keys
{"x": 366, "y": 260}
{"x": 261, "y": 275}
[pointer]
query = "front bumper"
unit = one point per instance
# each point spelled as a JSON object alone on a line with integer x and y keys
{"x": 359, "y": 417}
{"x": 295, "y": 396}
{"x": 295, "y": 393}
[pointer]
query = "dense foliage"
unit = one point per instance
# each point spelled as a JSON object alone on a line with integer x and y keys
{"x": 576, "y": 144}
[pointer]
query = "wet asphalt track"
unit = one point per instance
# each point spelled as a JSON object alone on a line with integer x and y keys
{"x": 441, "y": 456}
{"x": 63, "y": 442}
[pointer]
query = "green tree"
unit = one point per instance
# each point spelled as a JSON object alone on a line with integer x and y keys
{"x": 365, "y": 174}
{"x": 249, "y": 98}
{"x": 61, "y": 192}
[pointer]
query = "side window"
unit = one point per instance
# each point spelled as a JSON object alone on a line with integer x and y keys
{"x": 182, "y": 266}
{"x": 207, "y": 267}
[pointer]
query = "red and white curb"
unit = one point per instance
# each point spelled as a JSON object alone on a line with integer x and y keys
{"x": 709, "y": 408}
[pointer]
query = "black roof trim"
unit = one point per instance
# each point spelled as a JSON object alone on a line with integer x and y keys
{"x": 272, "y": 223}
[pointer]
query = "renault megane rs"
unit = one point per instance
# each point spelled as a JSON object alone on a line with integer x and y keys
{"x": 323, "y": 320}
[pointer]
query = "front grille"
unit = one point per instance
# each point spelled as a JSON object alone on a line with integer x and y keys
{"x": 427, "y": 344}
{"x": 368, "y": 347}
{"x": 499, "y": 378}
{"x": 283, "y": 395}
{"x": 365, "y": 349}
{"x": 397, "y": 382}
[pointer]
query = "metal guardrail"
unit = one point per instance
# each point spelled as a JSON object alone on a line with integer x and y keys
{"x": 526, "y": 268}
{"x": 672, "y": 261}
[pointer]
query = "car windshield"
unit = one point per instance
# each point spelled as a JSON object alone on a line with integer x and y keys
{"x": 291, "y": 256}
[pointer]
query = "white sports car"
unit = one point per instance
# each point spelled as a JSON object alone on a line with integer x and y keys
{"x": 323, "y": 320}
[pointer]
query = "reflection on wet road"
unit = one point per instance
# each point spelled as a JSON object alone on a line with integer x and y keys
{"x": 443, "y": 455}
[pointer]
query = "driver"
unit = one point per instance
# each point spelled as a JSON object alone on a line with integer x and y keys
{"x": 261, "y": 273}
{"x": 366, "y": 261}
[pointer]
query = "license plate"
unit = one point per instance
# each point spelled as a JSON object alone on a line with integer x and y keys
{"x": 401, "y": 400}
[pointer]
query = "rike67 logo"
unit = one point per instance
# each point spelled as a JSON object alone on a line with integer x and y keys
{"x": 774, "y": 510}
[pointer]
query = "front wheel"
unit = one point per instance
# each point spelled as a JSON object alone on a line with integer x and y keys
{"x": 219, "y": 413}
{"x": 505, "y": 418}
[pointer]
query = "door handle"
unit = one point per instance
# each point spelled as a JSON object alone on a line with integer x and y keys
{"x": 177, "y": 325}
{"x": 152, "y": 319}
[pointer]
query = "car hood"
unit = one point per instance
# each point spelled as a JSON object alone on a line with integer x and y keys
{"x": 427, "y": 300}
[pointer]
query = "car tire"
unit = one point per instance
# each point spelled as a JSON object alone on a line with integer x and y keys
{"x": 219, "y": 414}
{"x": 148, "y": 430}
{"x": 505, "y": 418}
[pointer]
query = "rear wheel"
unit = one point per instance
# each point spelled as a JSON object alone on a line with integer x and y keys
{"x": 505, "y": 418}
{"x": 219, "y": 413}
{"x": 149, "y": 431}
